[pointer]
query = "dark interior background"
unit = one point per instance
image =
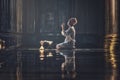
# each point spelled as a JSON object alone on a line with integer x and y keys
{"x": 41, "y": 20}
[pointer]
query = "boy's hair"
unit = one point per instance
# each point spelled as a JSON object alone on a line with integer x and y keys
{"x": 72, "y": 21}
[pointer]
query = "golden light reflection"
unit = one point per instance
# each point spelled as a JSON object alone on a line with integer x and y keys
{"x": 111, "y": 56}
{"x": 112, "y": 50}
{"x": 0, "y": 46}
{"x": 41, "y": 54}
{"x": 50, "y": 54}
{"x": 111, "y": 41}
{"x": 113, "y": 60}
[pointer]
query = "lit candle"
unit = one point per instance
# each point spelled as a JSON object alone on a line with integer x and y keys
{"x": 0, "y": 46}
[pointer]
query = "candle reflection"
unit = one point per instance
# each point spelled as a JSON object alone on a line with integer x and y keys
{"x": 2, "y": 44}
{"x": 41, "y": 54}
{"x": 50, "y": 54}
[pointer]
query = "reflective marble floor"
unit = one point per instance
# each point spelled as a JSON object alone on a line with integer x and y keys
{"x": 49, "y": 64}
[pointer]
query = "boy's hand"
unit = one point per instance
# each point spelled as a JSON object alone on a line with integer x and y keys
{"x": 62, "y": 26}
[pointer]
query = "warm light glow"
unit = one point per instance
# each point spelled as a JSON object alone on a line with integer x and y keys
{"x": 113, "y": 41}
{"x": 41, "y": 48}
{"x": 41, "y": 57}
{"x": 111, "y": 57}
{"x": 112, "y": 54}
{"x": 49, "y": 54}
{"x": 42, "y": 54}
{"x": 113, "y": 60}
{"x": 111, "y": 35}
{"x": 0, "y": 46}
{"x": 44, "y": 41}
{"x": 49, "y": 42}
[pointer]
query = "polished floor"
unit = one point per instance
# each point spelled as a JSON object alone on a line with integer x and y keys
{"x": 50, "y": 64}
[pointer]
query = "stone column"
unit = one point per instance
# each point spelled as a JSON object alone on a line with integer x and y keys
{"x": 111, "y": 24}
{"x": 13, "y": 15}
{"x": 111, "y": 17}
{"x": 19, "y": 66}
{"x": 19, "y": 21}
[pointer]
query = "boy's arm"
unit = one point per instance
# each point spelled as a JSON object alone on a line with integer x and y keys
{"x": 63, "y": 31}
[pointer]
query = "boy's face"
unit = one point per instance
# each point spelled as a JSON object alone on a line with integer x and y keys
{"x": 70, "y": 23}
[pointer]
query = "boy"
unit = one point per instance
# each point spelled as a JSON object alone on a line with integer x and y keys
{"x": 69, "y": 35}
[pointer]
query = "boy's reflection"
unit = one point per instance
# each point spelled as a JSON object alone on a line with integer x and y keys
{"x": 68, "y": 66}
{"x": 111, "y": 61}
